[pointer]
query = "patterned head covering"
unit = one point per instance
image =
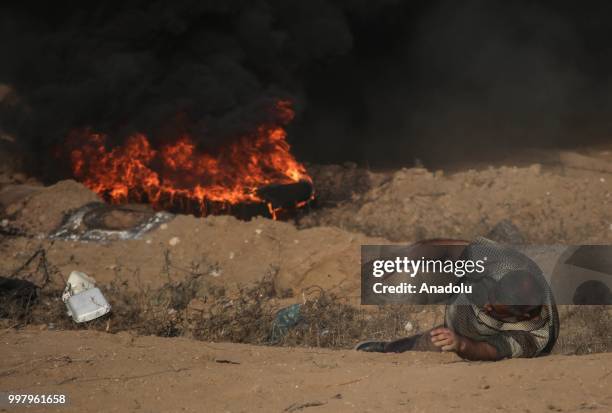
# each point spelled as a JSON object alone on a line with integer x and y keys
{"x": 466, "y": 316}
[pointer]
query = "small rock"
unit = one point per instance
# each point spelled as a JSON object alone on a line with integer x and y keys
{"x": 231, "y": 255}
{"x": 173, "y": 241}
{"x": 163, "y": 226}
{"x": 258, "y": 231}
{"x": 408, "y": 326}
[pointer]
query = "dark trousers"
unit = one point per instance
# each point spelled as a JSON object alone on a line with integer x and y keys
{"x": 418, "y": 342}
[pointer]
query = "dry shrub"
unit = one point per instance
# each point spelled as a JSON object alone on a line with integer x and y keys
{"x": 247, "y": 316}
{"x": 16, "y": 299}
{"x": 244, "y": 317}
{"x": 328, "y": 322}
{"x": 585, "y": 329}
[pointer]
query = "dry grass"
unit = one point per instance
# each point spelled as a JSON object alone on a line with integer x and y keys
{"x": 585, "y": 329}
{"x": 247, "y": 316}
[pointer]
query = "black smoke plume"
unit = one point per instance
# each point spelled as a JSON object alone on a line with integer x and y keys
{"x": 376, "y": 82}
{"x": 211, "y": 68}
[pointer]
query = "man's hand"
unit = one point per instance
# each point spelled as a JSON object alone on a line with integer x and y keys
{"x": 446, "y": 339}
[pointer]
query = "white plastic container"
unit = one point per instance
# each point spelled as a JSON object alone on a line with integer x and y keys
{"x": 84, "y": 301}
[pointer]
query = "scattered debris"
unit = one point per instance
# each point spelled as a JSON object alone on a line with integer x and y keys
{"x": 285, "y": 319}
{"x": 299, "y": 406}
{"x": 223, "y": 361}
{"x": 100, "y": 222}
{"x": 83, "y": 300}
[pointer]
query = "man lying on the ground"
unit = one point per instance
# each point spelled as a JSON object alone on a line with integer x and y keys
{"x": 496, "y": 327}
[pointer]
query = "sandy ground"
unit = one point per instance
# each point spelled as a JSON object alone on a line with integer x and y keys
{"x": 103, "y": 372}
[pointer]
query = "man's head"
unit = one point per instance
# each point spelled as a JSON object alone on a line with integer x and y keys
{"x": 517, "y": 296}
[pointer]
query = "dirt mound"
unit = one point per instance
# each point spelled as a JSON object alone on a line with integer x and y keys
{"x": 38, "y": 210}
{"x": 224, "y": 249}
{"x": 552, "y": 206}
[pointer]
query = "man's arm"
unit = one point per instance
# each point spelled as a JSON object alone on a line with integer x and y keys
{"x": 476, "y": 350}
{"x": 466, "y": 348}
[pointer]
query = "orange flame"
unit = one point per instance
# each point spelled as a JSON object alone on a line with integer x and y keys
{"x": 178, "y": 173}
